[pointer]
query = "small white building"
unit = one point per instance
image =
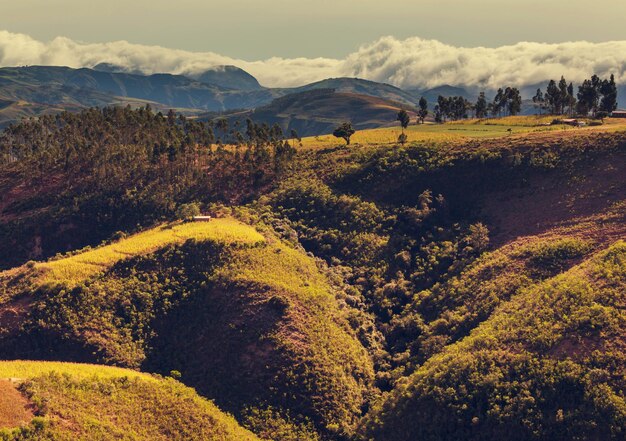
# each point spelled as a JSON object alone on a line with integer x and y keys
{"x": 201, "y": 218}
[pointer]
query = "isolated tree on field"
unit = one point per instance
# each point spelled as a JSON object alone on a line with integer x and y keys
{"x": 344, "y": 131}
{"x": 423, "y": 110}
{"x": 539, "y": 100}
{"x": 404, "y": 119}
{"x": 480, "y": 109}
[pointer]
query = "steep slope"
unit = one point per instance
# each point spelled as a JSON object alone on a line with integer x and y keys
{"x": 247, "y": 319}
{"x": 546, "y": 365}
{"x": 89, "y": 402}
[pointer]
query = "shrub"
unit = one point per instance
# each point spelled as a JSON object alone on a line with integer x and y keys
{"x": 187, "y": 211}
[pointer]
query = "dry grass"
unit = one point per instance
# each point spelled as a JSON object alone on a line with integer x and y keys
{"x": 75, "y": 269}
{"x": 456, "y": 132}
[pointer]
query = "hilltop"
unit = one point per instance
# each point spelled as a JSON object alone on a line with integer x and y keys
{"x": 247, "y": 319}
{"x": 68, "y": 401}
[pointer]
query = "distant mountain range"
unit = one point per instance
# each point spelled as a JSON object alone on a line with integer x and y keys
{"x": 36, "y": 90}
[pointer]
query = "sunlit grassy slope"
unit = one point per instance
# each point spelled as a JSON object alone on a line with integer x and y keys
{"x": 459, "y": 131}
{"x": 142, "y": 303}
{"x": 89, "y": 402}
{"x": 74, "y": 269}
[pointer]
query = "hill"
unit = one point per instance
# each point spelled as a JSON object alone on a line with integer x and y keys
{"x": 433, "y": 94}
{"x": 546, "y": 359}
{"x": 361, "y": 87}
{"x": 68, "y": 401}
{"x": 320, "y": 111}
{"x": 247, "y": 319}
{"x": 229, "y": 77}
{"x": 465, "y": 285}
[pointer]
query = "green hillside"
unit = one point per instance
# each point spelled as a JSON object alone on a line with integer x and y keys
{"x": 545, "y": 365}
{"x": 465, "y": 285}
{"x": 65, "y": 401}
{"x": 248, "y": 320}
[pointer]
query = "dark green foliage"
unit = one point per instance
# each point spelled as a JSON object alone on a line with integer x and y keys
{"x": 344, "y": 131}
{"x": 423, "y": 110}
{"x": 102, "y": 171}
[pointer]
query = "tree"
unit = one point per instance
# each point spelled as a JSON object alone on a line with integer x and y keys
{"x": 497, "y": 102}
{"x": 344, "y": 131}
{"x": 563, "y": 100}
{"x": 443, "y": 105}
{"x": 514, "y": 100}
{"x": 423, "y": 110}
{"x": 481, "y": 106}
{"x": 539, "y": 100}
{"x": 552, "y": 97}
{"x": 588, "y": 96}
{"x": 404, "y": 119}
{"x": 294, "y": 136}
{"x": 187, "y": 211}
{"x": 608, "y": 89}
{"x": 571, "y": 99}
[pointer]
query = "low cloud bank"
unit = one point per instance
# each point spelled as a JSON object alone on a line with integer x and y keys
{"x": 409, "y": 63}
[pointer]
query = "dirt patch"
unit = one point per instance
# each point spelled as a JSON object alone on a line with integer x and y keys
{"x": 550, "y": 202}
{"x": 13, "y": 313}
{"x": 15, "y": 410}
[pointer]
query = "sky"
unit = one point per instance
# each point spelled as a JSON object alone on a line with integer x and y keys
{"x": 415, "y": 43}
{"x": 259, "y": 29}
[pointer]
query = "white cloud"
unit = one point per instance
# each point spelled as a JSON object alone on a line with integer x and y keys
{"x": 413, "y": 62}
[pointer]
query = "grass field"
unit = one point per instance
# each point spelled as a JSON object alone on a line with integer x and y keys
{"x": 21, "y": 369}
{"x": 459, "y": 131}
{"x": 74, "y": 269}
{"x": 90, "y": 402}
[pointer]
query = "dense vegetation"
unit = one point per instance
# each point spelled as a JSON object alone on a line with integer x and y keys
{"x": 378, "y": 291}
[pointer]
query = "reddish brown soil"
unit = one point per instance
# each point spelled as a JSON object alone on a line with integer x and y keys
{"x": 549, "y": 203}
{"x": 15, "y": 410}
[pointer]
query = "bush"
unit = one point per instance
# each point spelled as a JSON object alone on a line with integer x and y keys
{"x": 187, "y": 211}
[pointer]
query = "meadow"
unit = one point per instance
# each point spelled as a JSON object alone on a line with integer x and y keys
{"x": 461, "y": 131}
{"x": 90, "y": 402}
{"x": 79, "y": 267}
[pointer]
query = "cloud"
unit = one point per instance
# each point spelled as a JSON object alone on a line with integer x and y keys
{"x": 409, "y": 63}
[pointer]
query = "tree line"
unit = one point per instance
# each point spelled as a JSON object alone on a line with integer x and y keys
{"x": 596, "y": 97}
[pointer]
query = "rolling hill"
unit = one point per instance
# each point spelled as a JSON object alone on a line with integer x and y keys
{"x": 248, "y": 320}
{"x": 466, "y": 285}
{"x": 361, "y": 87}
{"x": 37, "y": 90}
{"x": 64, "y": 401}
{"x": 320, "y": 111}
